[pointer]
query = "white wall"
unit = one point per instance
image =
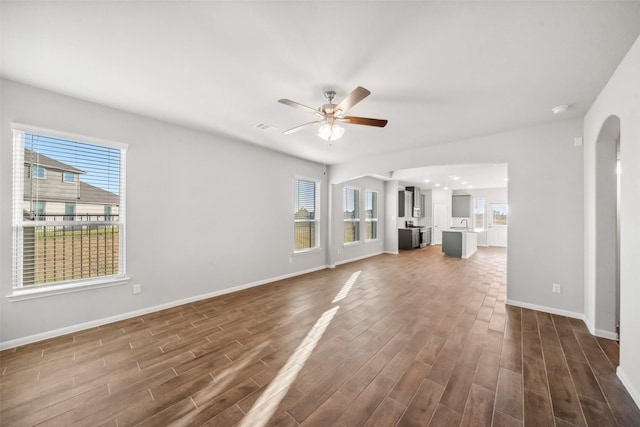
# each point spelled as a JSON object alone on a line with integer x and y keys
{"x": 490, "y": 195}
{"x": 341, "y": 253}
{"x": 620, "y": 97}
{"x": 545, "y": 182}
{"x": 201, "y": 209}
{"x": 391, "y": 217}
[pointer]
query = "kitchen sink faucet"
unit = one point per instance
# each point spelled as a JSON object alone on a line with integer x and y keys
{"x": 466, "y": 223}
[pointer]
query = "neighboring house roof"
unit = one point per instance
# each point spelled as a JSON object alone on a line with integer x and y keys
{"x": 32, "y": 157}
{"x": 96, "y": 195}
{"x": 87, "y": 193}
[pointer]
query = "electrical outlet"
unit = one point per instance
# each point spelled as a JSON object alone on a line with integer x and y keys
{"x": 290, "y": 260}
{"x": 137, "y": 288}
{"x": 556, "y": 288}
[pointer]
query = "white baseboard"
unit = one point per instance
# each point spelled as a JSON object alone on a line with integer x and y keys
{"x": 391, "y": 252}
{"x": 356, "y": 259}
{"x": 575, "y": 315}
{"x": 599, "y": 332}
{"x": 628, "y": 385}
{"x": 545, "y": 309}
{"x": 99, "y": 322}
{"x": 604, "y": 334}
{"x": 590, "y": 325}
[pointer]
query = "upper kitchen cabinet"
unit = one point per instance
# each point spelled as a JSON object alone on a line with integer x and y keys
{"x": 405, "y": 203}
{"x": 461, "y": 206}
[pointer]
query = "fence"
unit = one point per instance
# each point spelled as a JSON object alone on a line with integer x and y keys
{"x": 53, "y": 253}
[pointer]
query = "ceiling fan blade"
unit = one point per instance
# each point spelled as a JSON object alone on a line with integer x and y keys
{"x": 352, "y": 99}
{"x": 364, "y": 121}
{"x": 299, "y": 106}
{"x": 297, "y": 128}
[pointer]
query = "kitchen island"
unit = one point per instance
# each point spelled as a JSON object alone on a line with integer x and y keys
{"x": 459, "y": 243}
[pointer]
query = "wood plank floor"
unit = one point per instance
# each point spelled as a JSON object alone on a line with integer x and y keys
{"x": 415, "y": 339}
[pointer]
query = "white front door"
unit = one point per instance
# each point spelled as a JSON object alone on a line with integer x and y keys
{"x": 440, "y": 221}
{"x": 497, "y": 225}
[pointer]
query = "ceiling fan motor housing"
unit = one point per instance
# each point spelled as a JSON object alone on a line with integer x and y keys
{"x": 331, "y": 113}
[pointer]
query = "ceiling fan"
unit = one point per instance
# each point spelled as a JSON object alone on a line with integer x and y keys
{"x": 331, "y": 114}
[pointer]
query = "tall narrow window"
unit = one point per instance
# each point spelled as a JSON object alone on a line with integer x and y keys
{"x": 478, "y": 214}
{"x": 351, "y": 215}
{"x": 61, "y": 234}
{"x": 371, "y": 215}
{"x": 306, "y": 215}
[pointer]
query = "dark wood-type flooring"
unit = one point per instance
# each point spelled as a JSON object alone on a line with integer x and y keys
{"x": 415, "y": 339}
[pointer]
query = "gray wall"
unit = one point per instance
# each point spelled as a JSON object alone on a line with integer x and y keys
{"x": 545, "y": 243}
{"x": 201, "y": 210}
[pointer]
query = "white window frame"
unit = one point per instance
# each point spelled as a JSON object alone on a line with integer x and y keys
{"x": 370, "y": 220}
{"x": 31, "y": 291}
{"x": 484, "y": 215}
{"x": 355, "y": 220}
{"x": 316, "y": 218}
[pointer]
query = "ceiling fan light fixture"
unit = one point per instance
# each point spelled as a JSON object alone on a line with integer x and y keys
{"x": 330, "y": 132}
{"x": 559, "y": 109}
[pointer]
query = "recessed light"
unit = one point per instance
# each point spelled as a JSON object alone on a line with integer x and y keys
{"x": 471, "y": 186}
{"x": 506, "y": 179}
{"x": 437, "y": 185}
{"x": 559, "y": 109}
{"x": 455, "y": 178}
{"x": 464, "y": 182}
{"x": 446, "y": 188}
{"x": 426, "y": 180}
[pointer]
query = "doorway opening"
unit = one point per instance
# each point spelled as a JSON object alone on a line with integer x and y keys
{"x": 607, "y": 239}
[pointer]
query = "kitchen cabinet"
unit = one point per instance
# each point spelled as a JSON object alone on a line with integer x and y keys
{"x": 461, "y": 206}
{"x": 408, "y": 238}
{"x": 460, "y": 244}
{"x": 405, "y": 204}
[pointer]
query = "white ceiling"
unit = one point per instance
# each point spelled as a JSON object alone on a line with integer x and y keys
{"x": 438, "y": 71}
{"x": 452, "y": 177}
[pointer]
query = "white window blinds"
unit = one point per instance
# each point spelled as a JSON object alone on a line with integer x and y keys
{"x": 351, "y": 215}
{"x": 371, "y": 215}
{"x": 61, "y": 231}
{"x": 306, "y": 215}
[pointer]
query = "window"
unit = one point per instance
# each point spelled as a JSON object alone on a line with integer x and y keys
{"x": 478, "y": 214}
{"x": 499, "y": 214}
{"x": 68, "y": 177}
{"x": 37, "y": 172}
{"x": 70, "y": 243}
{"x": 351, "y": 215}
{"x": 306, "y": 215}
{"x": 69, "y": 211}
{"x": 371, "y": 215}
{"x": 37, "y": 208}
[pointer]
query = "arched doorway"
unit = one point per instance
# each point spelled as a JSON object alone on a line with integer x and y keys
{"x": 607, "y": 242}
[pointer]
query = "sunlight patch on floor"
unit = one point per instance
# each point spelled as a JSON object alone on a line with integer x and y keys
{"x": 264, "y": 408}
{"x": 347, "y": 287}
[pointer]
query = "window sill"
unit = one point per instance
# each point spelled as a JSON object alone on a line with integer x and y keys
{"x": 307, "y": 251}
{"x": 370, "y": 240}
{"x": 347, "y": 244}
{"x": 42, "y": 291}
